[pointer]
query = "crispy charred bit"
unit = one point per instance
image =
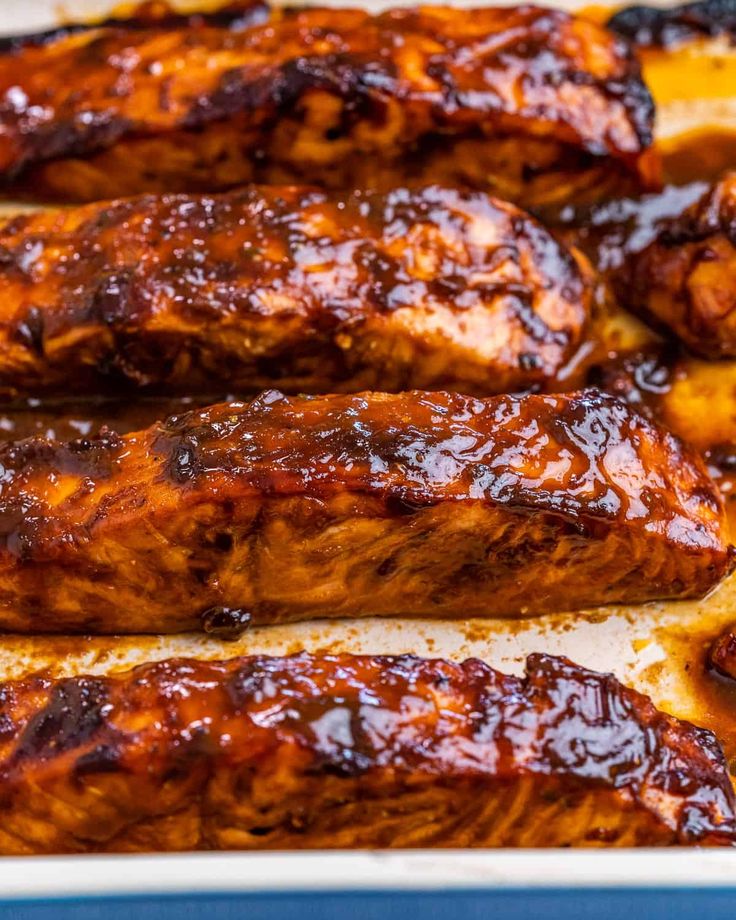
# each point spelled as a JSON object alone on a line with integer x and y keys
{"x": 315, "y": 292}
{"x": 663, "y": 28}
{"x": 531, "y": 103}
{"x": 344, "y": 751}
{"x": 426, "y": 504}
{"x": 685, "y": 280}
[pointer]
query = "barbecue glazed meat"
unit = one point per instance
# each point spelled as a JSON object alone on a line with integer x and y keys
{"x": 430, "y": 288}
{"x": 722, "y": 657}
{"x": 425, "y": 504}
{"x": 313, "y": 752}
{"x": 530, "y": 103}
{"x": 694, "y": 399}
{"x": 686, "y": 279}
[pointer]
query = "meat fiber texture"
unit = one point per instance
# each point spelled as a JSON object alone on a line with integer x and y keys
{"x": 415, "y": 504}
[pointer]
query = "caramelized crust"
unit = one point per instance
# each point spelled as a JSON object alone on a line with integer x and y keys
{"x": 531, "y": 103}
{"x": 422, "y": 504}
{"x": 315, "y": 292}
{"x": 331, "y": 752}
{"x": 722, "y": 656}
{"x": 686, "y": 279}
{"x": 662, "y": 28}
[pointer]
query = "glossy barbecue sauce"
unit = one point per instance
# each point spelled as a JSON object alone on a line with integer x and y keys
{"x": 711, "y": 692}
{"x": 606, "y": 232}
{"x": 631, "y": 361}
{"x": 649, "y": 372}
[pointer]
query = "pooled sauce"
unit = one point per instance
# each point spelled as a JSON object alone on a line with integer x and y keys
{"x": 698, "y": 157}
{"x": 69, "y": 419}
{"x": 717, "y": 696}
{"x": 713, "y": 697}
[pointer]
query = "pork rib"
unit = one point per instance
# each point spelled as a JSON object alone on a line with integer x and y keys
{"x": 684, "y": 280}
{"x": 313, "y": 292}
{"x": 533, "y": 104}
{"x": 332, "y": 752}
{"x": 423, "y": 504}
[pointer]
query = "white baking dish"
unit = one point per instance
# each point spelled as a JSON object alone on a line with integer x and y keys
{"x": 631, "y": 642}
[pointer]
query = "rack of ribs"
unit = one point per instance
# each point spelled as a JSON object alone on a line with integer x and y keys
{"x": 533, "y": 104}
{"x": 416, "y": 504}
{"x": 310, "y": 291}
{"x": 343, "y": 751}
{"x": 685, "y": 280}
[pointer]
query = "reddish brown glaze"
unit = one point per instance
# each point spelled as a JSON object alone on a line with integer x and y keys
{"x": 428, "y": 288}
{"x": 532, "y": 103}
{"x": 424, "y": 504}
{"x": 654, "y": 27}
{"x": 305, "y": 752}
{"x": 696, "y": 400}
{"x": 685, "y": 278}
{"x": 722, "y": 656}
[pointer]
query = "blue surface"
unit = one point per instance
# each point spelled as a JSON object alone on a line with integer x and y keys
{"x": 540, "y": 904}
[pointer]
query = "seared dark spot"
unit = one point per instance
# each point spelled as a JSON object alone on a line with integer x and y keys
{"x": 114, "y": 300}
{"x": 101, "y": 759}
{"x": 226, "y": 622}
{"x": 400, "y": 503}
{"x": 183, "y": 463}
{"x": 73, "y": 714}
{"x": 387, "y": 567}
{"x": 250, "y": 683}
{"x": 223, "y": 541}
{"x": 724, "y": 457}
{"x": 29, "y": 330}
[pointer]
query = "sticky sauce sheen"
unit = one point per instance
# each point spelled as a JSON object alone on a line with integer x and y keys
{"x": 712, "y": 700}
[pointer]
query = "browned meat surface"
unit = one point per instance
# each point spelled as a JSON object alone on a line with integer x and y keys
{"x": 686, "y": 278}
{"x": 423, "y": 504}
{"x": 316, "y": 292}
{"x": 533, "y": 104}
{"x": 722, "y": 656}
{"x": 655, "y": 27}
{"x": 330, "y": 752}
